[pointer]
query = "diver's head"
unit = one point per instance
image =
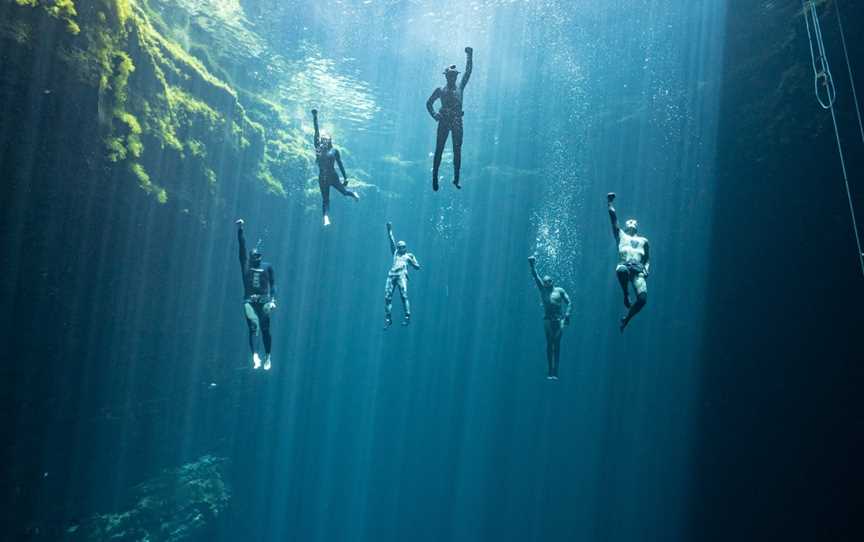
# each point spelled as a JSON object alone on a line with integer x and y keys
{"x": 401, "y": 247}
{"x": 255, "y": 257}
{"x": 547, "y": 282}
{"x": 631, "y": 226}
{"x": 451, "y": 73}
{"x": 326, "y": 141}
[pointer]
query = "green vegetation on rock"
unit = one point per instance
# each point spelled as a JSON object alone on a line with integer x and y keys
{"x": 63, "y": 10}
{"x": 168, "y": 116}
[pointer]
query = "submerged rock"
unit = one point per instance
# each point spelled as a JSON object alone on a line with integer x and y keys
{"x": 174, "y": 506}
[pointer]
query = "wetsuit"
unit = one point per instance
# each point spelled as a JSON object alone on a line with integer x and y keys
{"x": 556, "y": 313}
{"x": 449, "y": 119}
{"x": 328, "y": 158}
{"x": 259, "y": 288}
{"x": 632, "y": 268}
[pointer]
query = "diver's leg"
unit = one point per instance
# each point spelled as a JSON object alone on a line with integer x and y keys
{"x": 253, "y": 323}
{"x": 550, "y": 348}
{"x": 406, "y": 305}
{"x": 641, "y": 287}
{"x": 251, "y": 336}
{"x": 443, "y": 132}
{"x": 325, "y": 199}
{"x": 457, "y": 151}
{"x": 388, "y": 302}
{"x": 624, "y": 279}
{"x": 266, "y": 338}
{"x": 558, "y": 333}
{"x": 343, "y": 189}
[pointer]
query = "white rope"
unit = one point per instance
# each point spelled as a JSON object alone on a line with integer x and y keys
{"x": 822, "y": 74}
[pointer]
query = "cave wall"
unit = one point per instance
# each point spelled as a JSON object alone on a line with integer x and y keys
{"x": 780, "y": 417}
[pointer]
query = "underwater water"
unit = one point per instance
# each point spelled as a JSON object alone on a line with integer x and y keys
{"x": 135, "y": 132}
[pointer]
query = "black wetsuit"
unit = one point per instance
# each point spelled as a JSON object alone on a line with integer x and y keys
{"x": 259, "y": 288}
{"x": 328, "y": 158}
{"x": 449, "y": 119}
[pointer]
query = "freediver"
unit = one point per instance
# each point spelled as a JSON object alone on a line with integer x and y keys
{"x": 259, "y": 290}
{"x": 449, "y": 116}
{"x": 327, "y": 158}
{"x": 556, "y": 309}
{"x": 633, "y": 262}
{"x": 397, "y": 277}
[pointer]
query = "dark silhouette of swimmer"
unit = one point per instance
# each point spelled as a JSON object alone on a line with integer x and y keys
{"x": 449, "y": 116}
{"x": 634, "y": 262}
{"x": 556, "y": 315}
{"x": 259, "y": 297}
{"x": 328, "y": 158}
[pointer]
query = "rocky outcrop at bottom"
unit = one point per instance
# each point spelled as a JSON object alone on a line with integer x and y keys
{"x": 176, "y": 505}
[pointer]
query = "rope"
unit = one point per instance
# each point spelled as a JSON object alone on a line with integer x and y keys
{"x": 823, "y": 74}
{"x": 848, "y": 192}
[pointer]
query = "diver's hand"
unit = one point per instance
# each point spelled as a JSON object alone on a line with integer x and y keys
{"x": 314, "y": 112}
{"x": 270, "y": 306}
{"x": 610, "y": 197}
{"x": 437, "y": 116}
{"x": 567, "y": 320}
{"x": 389, "y": 226}
{"x": 239, "y": 223}
{"x": 469, "y": 50}
{"x": 532, "y": 260}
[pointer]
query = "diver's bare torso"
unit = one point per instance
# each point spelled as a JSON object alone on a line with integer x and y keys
{"x": 631, "y": 248}
{"x": 554, "y": 301}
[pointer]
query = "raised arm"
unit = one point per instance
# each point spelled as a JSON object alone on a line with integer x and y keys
{"x": 431, "y": 101}
{"x": 316, "y": 139}
{"x": 392, "y": 240}
{"x": 341, "y": 167}
{"x": 532, "y": 263}
{"x": 616, "y": 231}
{"x": 469, "y": 65}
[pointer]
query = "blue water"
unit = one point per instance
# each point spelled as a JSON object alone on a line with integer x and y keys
{"x": 446, "y": 429}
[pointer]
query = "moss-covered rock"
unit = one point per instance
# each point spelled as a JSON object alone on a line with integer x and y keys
{"x": 185, "y": 94}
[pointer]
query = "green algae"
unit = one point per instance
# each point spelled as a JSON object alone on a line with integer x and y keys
{"x": 159, "y": 70}
{"x": 63, "y": 10}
